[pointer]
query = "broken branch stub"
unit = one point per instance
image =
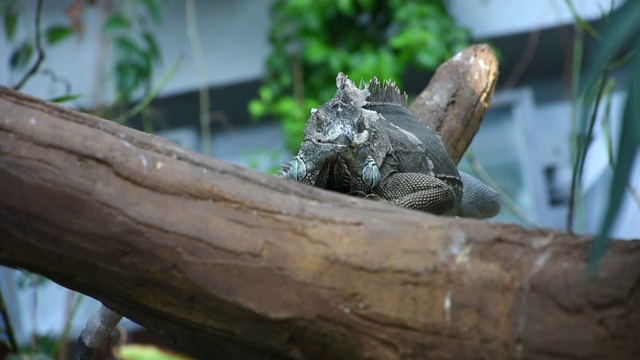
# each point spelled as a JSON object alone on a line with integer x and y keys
{"x": 457, "y": 97}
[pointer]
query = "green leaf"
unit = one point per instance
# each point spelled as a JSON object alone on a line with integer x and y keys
{"x": 153, "y": 9}
{"x": 627, "y": 149}
{"x": 117, "y": 22}
{"x": 10, "y": 23}
{"x": 152, "y": 46}
{"x": 21, "y": 56}
{"x": 366, "y": 4}
{"x": 65, "y": 98}
{"x": 126, "y": 47}
{"x": 30, "y": 280}
{"x": 285, "y": 106}
{"x": 257, "y": 108}
{"x": 346, "y": 6}
{"x": 580, "y": 21}
{"x": 266, "y": 93}
{"x": 58, "y": 33}
{"x": 146, "y": 352}
{"x": 402, "y": 39}
{"x": 428, "y": 59}
{"x": 624, "y": 26}
{"x": 316, "y": 51}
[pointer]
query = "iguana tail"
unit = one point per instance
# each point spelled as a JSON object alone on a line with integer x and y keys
{"x": 95, "y": 332}
{"x": 478, "y": 200}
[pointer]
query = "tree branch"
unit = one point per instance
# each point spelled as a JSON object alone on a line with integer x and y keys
{"x": 227, "y": 262}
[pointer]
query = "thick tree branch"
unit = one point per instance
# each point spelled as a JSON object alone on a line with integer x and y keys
{"x": 210, "y": 254}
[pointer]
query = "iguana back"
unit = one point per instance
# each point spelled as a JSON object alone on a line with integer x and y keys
{"x": 416, "y": 148}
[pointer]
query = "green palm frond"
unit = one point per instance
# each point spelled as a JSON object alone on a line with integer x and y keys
{"x": 622, "y": 30}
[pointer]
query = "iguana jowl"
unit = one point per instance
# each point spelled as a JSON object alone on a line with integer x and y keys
{"x": 365, "y": 141}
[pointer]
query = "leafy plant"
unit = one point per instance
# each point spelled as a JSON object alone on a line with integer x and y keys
{"x": 314, "y": 40}
{"x": 135, "y": 47}
{"x": 127, "y": 29}
{"x": 619, "y": 35}
{"x": 591, "y": 91}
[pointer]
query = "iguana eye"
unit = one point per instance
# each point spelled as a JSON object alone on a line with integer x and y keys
{"x": 371, "y": 173}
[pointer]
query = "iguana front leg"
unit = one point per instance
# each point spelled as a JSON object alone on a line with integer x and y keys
{"x": 418, "y": 191}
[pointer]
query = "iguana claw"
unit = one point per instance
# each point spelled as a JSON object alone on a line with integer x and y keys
{"x": 299, "y": 169}
{"x": 371, "y": 173}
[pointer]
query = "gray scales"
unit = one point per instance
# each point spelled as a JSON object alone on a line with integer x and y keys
{"x": 365, "y": 142}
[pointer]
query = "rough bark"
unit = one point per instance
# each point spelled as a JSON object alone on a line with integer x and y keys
{"x": 210, "y": 254}
{"x": 458, "y": 96}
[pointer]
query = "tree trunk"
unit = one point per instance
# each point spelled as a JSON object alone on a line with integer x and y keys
{"x": 210, "y": 254}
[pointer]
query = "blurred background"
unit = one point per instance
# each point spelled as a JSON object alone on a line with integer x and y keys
{"x": 236, "y": 80}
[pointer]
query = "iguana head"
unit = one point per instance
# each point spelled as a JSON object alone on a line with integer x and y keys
{"x": 339, "y": 128}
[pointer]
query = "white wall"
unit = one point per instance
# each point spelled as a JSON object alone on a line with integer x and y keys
{"x": 233, "y": 36}
{"x": 492, "y": 18}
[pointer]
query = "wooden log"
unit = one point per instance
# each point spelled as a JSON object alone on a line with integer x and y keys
{"x": 209, "y": 254}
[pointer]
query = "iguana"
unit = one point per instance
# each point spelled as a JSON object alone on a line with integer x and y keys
{"x": 366, "y": 142}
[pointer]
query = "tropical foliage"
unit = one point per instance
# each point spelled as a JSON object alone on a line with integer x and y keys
{"x": 314, "y": 40}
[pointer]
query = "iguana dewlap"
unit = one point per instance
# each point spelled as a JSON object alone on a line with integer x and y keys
{"x": 366, "y": 142}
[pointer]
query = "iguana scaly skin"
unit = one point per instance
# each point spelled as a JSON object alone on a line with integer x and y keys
{"x": 366, "y": 142}
{"x": 97, "y": 330}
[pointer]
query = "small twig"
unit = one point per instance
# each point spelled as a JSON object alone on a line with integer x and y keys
{"x": 56, "y": 79}
{"x": 580, "y": 21}
{"x": 205, "y": 120}
{"x": 34, "y": 319}
{"x": 519, "y": 69}
{"x": 583, "y": 147}
{"x": 222, "y": 118}
{"x": 508, "y": 202}
{"x": 41, "y": 55}
{"x": 77, "y": 300}
{"x": 13, "y": 344}
{"x": 576, "y": 66}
